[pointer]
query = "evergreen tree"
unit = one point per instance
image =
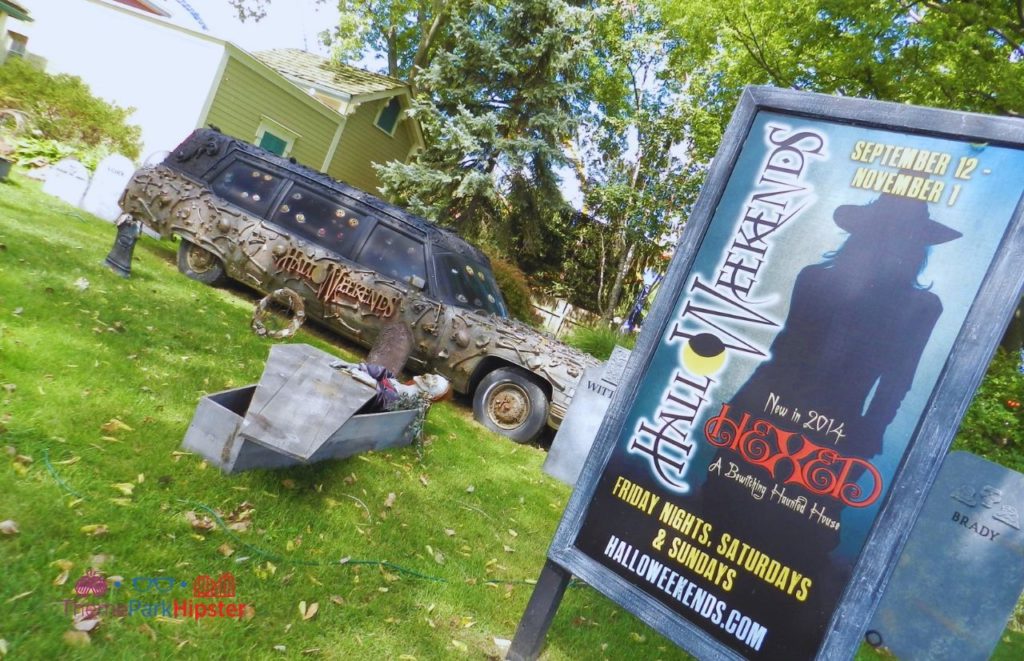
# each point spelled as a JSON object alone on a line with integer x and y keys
{"x": 497, "y": 109}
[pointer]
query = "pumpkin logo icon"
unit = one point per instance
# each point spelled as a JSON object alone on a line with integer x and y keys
{"x": 91, "y": 583}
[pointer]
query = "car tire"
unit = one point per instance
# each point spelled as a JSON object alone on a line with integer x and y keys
{"x": 200, "y": 264}
{"x": 510, "y": 402}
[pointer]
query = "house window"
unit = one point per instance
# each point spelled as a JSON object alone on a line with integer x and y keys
{"x": 273, "y": 144}
{"x": 19, "y": 44}
{"x": 388, "y": 117}
{"x": 275, "y": 138}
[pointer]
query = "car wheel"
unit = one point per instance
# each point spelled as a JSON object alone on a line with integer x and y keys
{"x": 510, "y": 403}
{"x": 200, "y": 264}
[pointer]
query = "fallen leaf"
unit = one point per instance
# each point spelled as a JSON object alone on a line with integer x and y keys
{"x": 23, "y": 459}
{"x": 76, "y": 638}
{"x": 123, "y": 502}
{"x": 225, "y": 550}
{"x": 311, "y": 651}
{"x": 9, "y": 527}
{"x": 199, "y": 523}
{"x": 81, "y": 284}
{"x": 62, "y": 564}
{"x": 337, "y": 600}
{"x": 503, "y": 645}
{"x": 125, "y": 487}
{"x": 68, "y": 462}
{"x": 3, "y": 643}
{"x": 459, "y": 645}
{"x": 390, "y": 500}
{"x": 17, "y": 311}
{"x": 148, "y": 630}
{"x": 62, "y": 578}
{"x": 449, "y": 532}
{"x": 513, "y": 533}
{"x": 288, "y": 483}
{"x": 280, "y": 648}
{"x": 141, "y": 478}
{"x": 95, "y": 529}
{"x": 423, "y": 480}
{"x": 311, "y": 611}
{"x": 470, "y": 489}
{"x": 113, "y": 426}
{"x": 86, "y": 623}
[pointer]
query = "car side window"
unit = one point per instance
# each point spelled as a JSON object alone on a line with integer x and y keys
{"x": 247, "y": 186}
{"x": 396, "y": 256}
{"x": 320, "y": 219}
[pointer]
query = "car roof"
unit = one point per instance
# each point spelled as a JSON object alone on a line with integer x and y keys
{"x": 442, "y": 239}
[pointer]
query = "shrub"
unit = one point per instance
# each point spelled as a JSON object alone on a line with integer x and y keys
{"x": 599, "y": 340}
{"x": 516, "y": 291}
{"x": 61, "y": 107}
{"x": 994, "y": 423}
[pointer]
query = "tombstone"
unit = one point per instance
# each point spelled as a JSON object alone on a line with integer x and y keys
{"x": 961, "y": 573}
{"x": 302, "y": 411}
{"x": 586, "y": 411}
{"x": 67, "y": 180}
{"x": 108, "y": 182}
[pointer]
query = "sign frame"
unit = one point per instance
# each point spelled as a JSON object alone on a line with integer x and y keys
{"x": 959, "y": 377}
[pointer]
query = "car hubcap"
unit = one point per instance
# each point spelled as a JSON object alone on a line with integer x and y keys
{"x": 509, "y": 406}
{"x": 199, "y": 260}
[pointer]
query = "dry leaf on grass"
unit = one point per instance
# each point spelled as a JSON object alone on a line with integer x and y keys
{"x": 310, "y": 611}
{"x": 76, "y": 638}
{"x": 95, "y": 529}
{"x": 125, "y": 487}
{"x": 390, "y": 500}
{"x": 225, "y": 550}
{"x": 199, "y": 523}
{"x": 9, "y": 527}
{"x": 113, "y": 426}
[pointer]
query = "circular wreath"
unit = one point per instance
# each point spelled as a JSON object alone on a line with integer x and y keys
{"x": 284, "y": 297}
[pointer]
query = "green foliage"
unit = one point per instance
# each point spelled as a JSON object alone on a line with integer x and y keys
{"x": 496, "y": 109}
{"x": 61, "y": 108}
{"x": 515, "y": 290}
{"x": 993, "y": 425}
{"x": 957, "y": 55}
{"x": 598, "y": 340}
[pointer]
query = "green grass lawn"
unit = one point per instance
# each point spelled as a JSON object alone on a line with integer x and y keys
{"x": 421, "y": 553}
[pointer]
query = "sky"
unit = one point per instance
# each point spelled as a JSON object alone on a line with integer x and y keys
{"x": 288, "y": 23}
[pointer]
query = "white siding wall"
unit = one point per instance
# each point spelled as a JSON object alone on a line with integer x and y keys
{"x": 165, "y": 73}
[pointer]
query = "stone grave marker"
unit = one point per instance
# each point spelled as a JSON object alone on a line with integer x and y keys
{"x": 108, "y": 182}
{"x": 961, "y": 572}
{"x": 67, "y": 180}
{"x": 579, "y": 428}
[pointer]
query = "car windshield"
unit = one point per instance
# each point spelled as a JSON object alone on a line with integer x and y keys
{"x": 468, "y": 284}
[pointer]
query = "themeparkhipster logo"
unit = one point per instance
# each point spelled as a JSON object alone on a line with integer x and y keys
{"x": 151, "y": 597}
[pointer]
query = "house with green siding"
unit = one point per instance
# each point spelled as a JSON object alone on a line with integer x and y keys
{"x": 328, "y": 116}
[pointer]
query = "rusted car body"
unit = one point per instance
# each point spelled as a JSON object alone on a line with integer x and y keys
{"x": 360, "y": 264}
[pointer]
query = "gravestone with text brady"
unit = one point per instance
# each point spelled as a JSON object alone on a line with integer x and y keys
{"x": 67, "y": 180}
{"x": 962, "y": 570}
{"x": 837, "y": 293}
{"x": 108, "y": 182}
{"x": 579, "y": 428}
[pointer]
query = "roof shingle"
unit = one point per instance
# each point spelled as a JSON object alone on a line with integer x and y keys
{"x": 325, "y": 74}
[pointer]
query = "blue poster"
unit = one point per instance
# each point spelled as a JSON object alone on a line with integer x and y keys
{"x": 799, "y": 358}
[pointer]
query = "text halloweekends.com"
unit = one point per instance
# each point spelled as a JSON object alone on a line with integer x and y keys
{"x": 700, "y": 601}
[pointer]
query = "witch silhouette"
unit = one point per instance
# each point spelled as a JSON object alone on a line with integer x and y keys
{"x": 857, "y": 325}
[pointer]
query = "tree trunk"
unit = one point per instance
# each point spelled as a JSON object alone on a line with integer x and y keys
{"x": 620, "y": 277}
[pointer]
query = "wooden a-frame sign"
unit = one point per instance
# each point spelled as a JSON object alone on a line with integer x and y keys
{"x": 833, "y": 303}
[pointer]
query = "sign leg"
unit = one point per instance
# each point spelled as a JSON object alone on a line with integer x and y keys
{"x": 541, "y": 609}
